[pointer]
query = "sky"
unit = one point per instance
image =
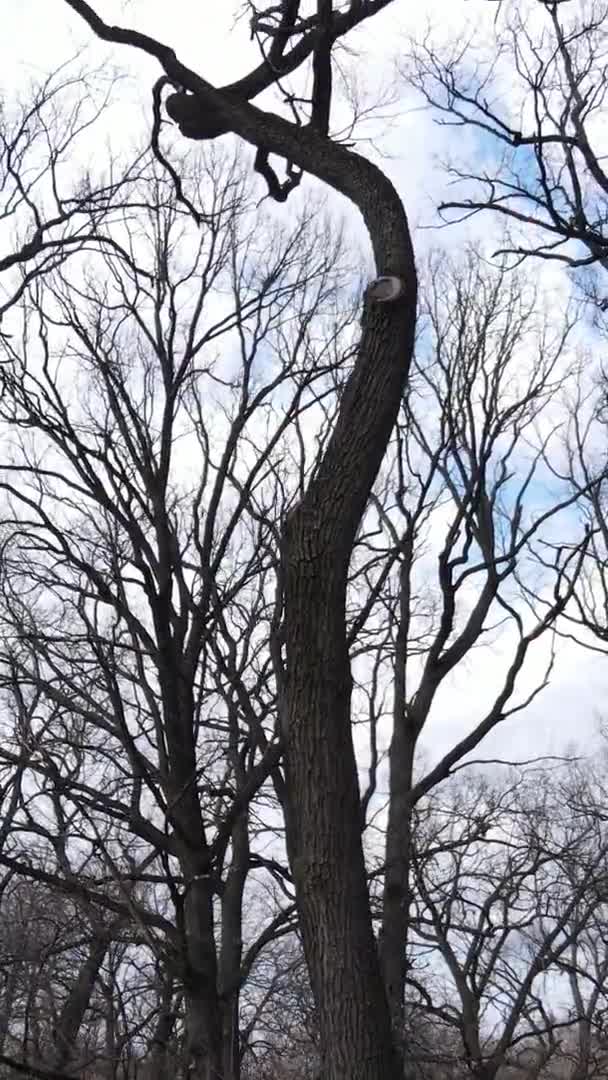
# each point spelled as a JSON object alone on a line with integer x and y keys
{"x": 38, "y": 35}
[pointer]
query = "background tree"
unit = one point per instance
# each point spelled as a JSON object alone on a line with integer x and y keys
{"x": 509, "y": 888}
{"x": 538, "y": 105}
{"x": 142, "y": 499}
{"x": 536, "y": 99}
{"x": 455, "y": 536}
{"x": 51, "y": 208}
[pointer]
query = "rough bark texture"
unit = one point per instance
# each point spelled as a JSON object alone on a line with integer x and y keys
{"x": 324, "y": 819}
{"x": 203, "y": 1011}
{"x": 325, "y": 841}
{"x": 203, "y": 1015}
{"x": 159, "y": 1065}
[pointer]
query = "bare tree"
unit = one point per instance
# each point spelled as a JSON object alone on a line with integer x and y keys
{"x": 322, "y": 789}
{"x": 125, "y": 381}
{"x": 443, "y": 568}
{"x": 507, "y": 975}
{"x": 50, "y": 208}
{"x": 51, "y": 955}
{"x": 509, "y": 887}
{"x": 280, "y": 1027}
{"x": 146, "y": 475}
{"x": 175, "y": 634}
{"x": 536, "y": 98}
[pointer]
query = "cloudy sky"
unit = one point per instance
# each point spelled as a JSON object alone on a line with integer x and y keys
{"x": 39, "y": 35}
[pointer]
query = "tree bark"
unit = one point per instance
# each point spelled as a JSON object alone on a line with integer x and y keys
{"x": 232, "y": 948}
{"x": 200, "y": 967}
{"x": 323, "y": 793}
{"x": 396, "y": 895}
{"x": 159, "y": 1065}
{"x": 202, "y": 1004}
{"x": 76, "y": 1005}
{"x": 324, "y": 830}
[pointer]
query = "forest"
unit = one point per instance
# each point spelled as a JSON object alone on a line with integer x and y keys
{"x": 304, "y": 540}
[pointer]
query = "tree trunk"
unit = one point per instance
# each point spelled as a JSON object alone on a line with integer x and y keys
{"x": 203, "y": 1013}
{"x": 323, "y": 793}
{"x": 76, "y": 1005}
{"x": 159, "y": 1067}
{"x": 231, "y": 1050}
{"x": 396, "y": 896}
{"x": 200, "y": 976}
{"x": 7, "y": 1004}
{"x": 232, "y": 946}
{"x": 325, "y": 838}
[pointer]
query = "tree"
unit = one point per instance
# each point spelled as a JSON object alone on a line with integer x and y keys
{"x": 507, "y": 967}
{"x": 280, "y": 1026}
{"x": 322, "y": 790}
{"x": 539, "y": 105}
{"x": 98, "y": 497}
{"x": 536, "y": 100}
{"x": 459, "y": 487}
{"x": 509, "y": 885}
{"x": 46, "y": 214}
{"x": 174, "y": 635}
{"x": 139, "y": 578}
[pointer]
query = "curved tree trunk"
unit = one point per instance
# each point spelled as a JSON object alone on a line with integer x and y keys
{"x": 324, "y": 819}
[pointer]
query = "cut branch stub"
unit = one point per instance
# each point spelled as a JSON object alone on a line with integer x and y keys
{"x": 385, "y": 289}
{"x": 193, "y": 121}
